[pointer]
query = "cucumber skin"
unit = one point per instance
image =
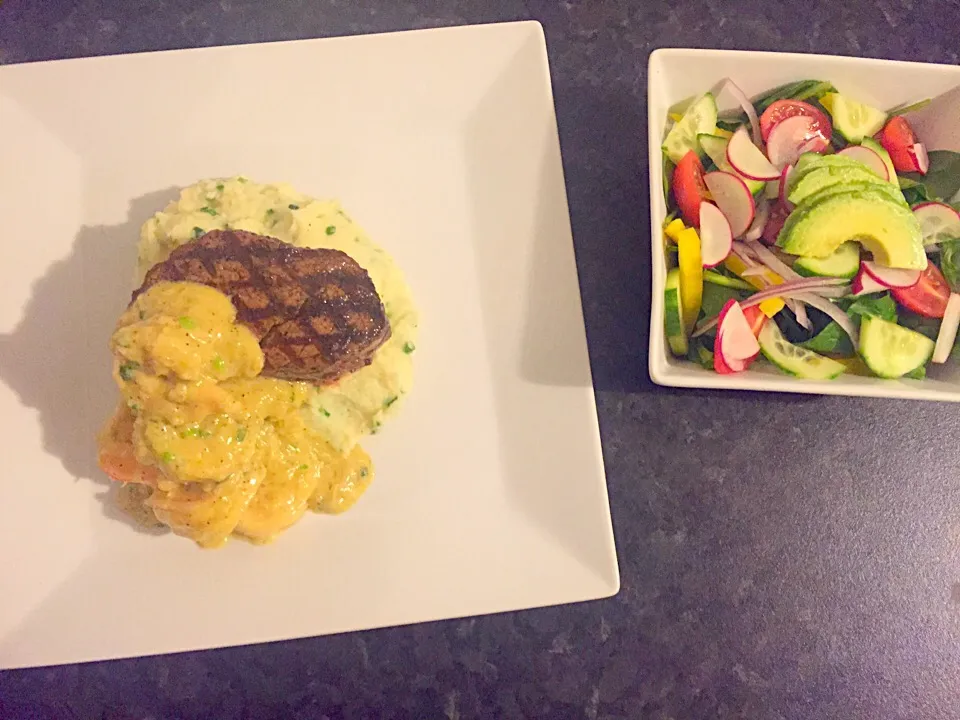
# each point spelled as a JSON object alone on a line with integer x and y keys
{"x": 770, "y": 355}
{"x": 672, "y": 315}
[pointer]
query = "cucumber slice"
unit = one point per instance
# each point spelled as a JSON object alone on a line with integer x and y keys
{"x": 869, "y": 142}
{"x": 853, "y": 119}
{"x": 794, "y": 360}
{"x": 700, "y": 117}
{"x": 715, "y": 148}
{"x": 673, "y": 315}
{"x": 844, "y": 262}
{"x": 890, "y": 350}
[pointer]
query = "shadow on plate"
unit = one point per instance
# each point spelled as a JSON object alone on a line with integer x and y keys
{"x": 534, "y": 337}
{"x": 57, "y": 360}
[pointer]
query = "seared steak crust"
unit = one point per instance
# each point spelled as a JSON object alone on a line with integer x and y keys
{"x": 316, "y": 313}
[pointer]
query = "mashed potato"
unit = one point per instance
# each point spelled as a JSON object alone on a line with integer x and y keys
{"x": 358, "y": 403}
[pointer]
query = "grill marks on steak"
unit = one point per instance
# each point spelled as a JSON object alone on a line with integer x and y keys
{"x": 315, "y": 312}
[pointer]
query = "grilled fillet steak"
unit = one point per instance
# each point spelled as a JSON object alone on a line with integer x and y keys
{"x": 316, "y": 313}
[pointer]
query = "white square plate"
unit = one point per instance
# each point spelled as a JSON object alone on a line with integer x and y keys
{"x": 676, "y": 74}
{"x": 490, "y": 493}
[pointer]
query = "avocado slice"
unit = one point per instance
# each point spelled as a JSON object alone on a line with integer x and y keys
{"x": 887, "y": 190}
{"x": 822, "y": 177}
{"x": 860, "y": 212}
{"x": 812, "y": 162}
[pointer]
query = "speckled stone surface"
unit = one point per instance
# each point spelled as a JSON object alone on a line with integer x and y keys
{"x": 782, "y": 557}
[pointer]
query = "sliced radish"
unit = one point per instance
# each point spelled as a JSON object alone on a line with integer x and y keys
{"x": 869, "y": 158}
{"x": 784, "y": 180}
{"x": 864, "y": 283}
{"x": 791, "y": 138}
{"x": 948, "y": 330}
{"x": 747, "y": 159}
{"x": 918, "y": 153}
{"x": 736, "y": 346}
{"x": 891, "y": 277}
{"x": 755, "y": 231}
{"x": 733, "y": 198}
{"x": 716, "y": 239}
{"x": 938, "y": 221}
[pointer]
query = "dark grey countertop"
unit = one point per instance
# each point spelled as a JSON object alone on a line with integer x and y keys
{"x": 782, "y": 556}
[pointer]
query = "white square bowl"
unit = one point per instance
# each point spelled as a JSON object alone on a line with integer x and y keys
{"x": 676, "y": 74}
{"x": 490, "y": 493}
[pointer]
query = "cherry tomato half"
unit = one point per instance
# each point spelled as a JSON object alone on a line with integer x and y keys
{"x": 782, "y": 109}
{"x": 897, "y": 137}
{"x": 689, "y": 188}
{"x": 929, "y": 296}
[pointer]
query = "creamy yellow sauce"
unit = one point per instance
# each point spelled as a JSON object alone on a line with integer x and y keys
{"x": 226, "y": 451}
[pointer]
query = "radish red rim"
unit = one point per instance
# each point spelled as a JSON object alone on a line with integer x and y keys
{"x": 733, "y": 198}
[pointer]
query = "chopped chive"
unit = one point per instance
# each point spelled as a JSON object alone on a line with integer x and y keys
{"x": 390, "y": 401}
{"x": 220, "y": 187}
{"x": 363, "y": 472}
{"x": 241, "y": 179}
{"x": 331, "y": 229}
{"x": 326, "y": 413}
{"x": 269, "y": 211}
{"x": 143, "y": 314}
{"x": 187, "y": 322}
{"x": 241, "y": 434}
{"x": 303, "y": 467}
{"x": 128, "y": 369}
{"x": 135, "y": 407}
{"x": 167, "y": 457}
{"x": 198, "y": 231}
{"x": 209, "y": 211}
{"x": 293, "y": 206}
{"x": 409, "y": 347}
{"x": 218, "y": 363}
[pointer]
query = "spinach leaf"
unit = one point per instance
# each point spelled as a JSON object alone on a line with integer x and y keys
{"x": 802, "y": 90}
{"x": 881, "y": 306}
{"x": 950, "y": 262}
{"x": 913, "y": 192}
{"x": 919, "y": 374}
{"x": 715, "y": 297}
{"x": 942, "y": 181}
{"x": 832, "y": 339}
{"x": 923, "y": 325}
{"x": 668, "y": 168}
{"x": 729, "y": 125}
{"x": 700, "y": 354}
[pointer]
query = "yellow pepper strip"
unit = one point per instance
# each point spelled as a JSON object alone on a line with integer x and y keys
{"x": 674, "y": 228}
{"x": 720, "y": 132}
{"x": 691, "y": 276}
{"x": 768, "y": 307}
{"x": 676, "y": 117}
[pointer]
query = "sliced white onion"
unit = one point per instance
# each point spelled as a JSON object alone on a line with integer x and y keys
{"x": 832, "y": 287}
{"x": 836, "y": 314}
{"x": 766, "y": 256}
{"x": 800, "y": 312}
{"x": 754, "y": 271}
{"x": 948, "y": 330}
{"x": 741, "y": 97}
{"x": 755, "y": 231}
{"x": 742, "y": 252}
